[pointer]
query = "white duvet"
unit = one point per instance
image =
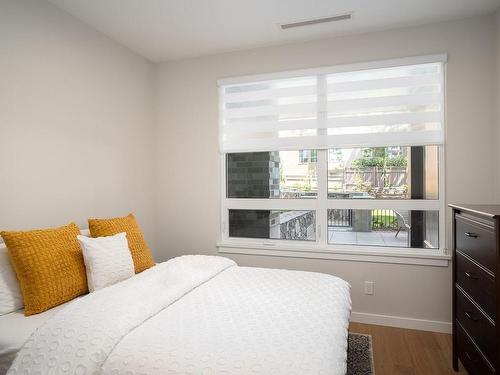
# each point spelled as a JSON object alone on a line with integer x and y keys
{"x": 198, "y": 315}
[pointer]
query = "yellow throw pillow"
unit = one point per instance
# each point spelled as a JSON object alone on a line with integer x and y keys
{"x": 139, "y": 249}
{"x": 48, "y": 264}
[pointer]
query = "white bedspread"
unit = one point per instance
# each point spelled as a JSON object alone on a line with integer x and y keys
{"x": 199, "y": 315}
{"x": 15, "y": 329}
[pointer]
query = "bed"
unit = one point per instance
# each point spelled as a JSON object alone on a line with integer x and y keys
{"x": 15, "y": 329}
{"x": 190, "y": 315}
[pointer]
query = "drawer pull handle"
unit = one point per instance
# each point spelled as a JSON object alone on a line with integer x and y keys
{"x": 470, "y": 275}
{"x": 469, "y": 315}
{"x": 471, "y": 235}
{"x": 469, "y": 357}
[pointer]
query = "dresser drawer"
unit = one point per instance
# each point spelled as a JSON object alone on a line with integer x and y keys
{"x": 471, "y": 358}
{"x": 477, "y": 283}
{"x": 477, "y": 240}
{"x": 477, "y": 325}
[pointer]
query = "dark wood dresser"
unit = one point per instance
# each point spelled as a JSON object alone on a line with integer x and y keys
{"x": 475, "y": 288}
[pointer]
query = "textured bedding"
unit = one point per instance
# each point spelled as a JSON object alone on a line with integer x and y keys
{"x": 15, "y": 329}
{"x": 198, "y": 315}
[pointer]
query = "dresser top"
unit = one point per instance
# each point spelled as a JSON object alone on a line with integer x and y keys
{"x": 489, "y": 210}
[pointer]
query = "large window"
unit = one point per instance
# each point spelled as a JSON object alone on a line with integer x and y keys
{"x": 347, "y": 157}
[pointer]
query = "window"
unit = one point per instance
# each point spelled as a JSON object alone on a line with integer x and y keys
{"x": 383, "y": 227}
{"x": 343, "y": 158}
{"x": 275, "y": 174}
{"x": 273, "y": 224}
{"x": 383, "y": 172}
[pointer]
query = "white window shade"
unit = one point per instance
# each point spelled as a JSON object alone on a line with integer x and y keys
{"x": 375, "y": 104}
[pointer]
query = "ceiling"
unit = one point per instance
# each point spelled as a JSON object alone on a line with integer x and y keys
{"x": 163, "y": 30}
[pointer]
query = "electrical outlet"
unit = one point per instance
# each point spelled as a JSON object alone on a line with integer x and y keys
{"x": 369, "y": 285}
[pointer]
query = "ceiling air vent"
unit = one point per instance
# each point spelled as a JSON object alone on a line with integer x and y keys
{"x": 339, "y": 17}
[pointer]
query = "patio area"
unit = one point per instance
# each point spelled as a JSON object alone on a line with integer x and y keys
{"x": 346, "y": 236}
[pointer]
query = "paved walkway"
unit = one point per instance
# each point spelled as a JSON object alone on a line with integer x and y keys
{"x": 346, "y": 236}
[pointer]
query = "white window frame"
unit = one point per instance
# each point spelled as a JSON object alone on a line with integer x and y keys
{"x": 320, "y": 248}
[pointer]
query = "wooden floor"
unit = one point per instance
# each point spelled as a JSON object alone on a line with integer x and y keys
{"x": 408, "y": 352}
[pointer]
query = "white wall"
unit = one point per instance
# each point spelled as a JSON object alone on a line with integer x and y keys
{"x": 75, "y": 122}
{"x": 188, "y": 162}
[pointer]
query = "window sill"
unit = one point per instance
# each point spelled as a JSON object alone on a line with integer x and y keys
{"x": 438, "y": 258}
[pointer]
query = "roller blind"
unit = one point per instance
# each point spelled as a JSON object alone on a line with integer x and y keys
{"x": 385, "y": 103}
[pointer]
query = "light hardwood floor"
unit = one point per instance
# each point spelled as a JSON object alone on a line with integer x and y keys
{"x": 399, "y": 351}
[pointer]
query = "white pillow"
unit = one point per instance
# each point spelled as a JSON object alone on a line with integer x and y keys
{"x": 11, "y": 298}
{"x": 107, "y": 260}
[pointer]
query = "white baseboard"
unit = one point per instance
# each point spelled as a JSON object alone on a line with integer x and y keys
{"x": 401, "y": 322}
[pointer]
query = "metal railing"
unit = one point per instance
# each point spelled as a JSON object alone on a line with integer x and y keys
{"x": 380, "y": 219}
{"x": 340, "y": 218}
{"x": 384, "y": 220}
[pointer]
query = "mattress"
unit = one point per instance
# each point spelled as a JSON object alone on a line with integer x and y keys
{"x": 15, "y": 329}
{"x": 200, "y": 315}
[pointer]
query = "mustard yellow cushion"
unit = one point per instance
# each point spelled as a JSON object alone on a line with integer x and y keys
{"x": 139, "y": 249}
{"x": 48, "y": 264}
